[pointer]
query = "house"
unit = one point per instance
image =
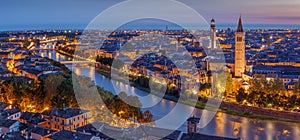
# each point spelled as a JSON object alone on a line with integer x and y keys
{"x": 154, "y": 133}
{"x": 197, "y": 136}
{"x": 7, "y": 126}
{"x": 69, "y": 135}
{"x": 32, "y": 118}
{"x": 113, "y": 132}
{"x": 14, "y": 136}
{"x": 3, "y": 106}
{"x": 10, "y": 113}
{"x": 94, "y": 129}
{"x": 66, "y": 118}
{"x": 38, "y": 132}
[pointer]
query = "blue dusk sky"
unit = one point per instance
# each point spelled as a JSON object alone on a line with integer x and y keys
{"x": 27, "y": 12}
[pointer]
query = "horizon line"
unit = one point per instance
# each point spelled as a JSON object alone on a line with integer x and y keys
{"x": 160, "y": 26}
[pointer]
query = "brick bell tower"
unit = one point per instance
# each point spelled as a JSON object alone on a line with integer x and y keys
{"x": 240, "y": 62}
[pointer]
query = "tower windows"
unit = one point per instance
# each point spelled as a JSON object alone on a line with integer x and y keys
{"x": 239, "y": 39}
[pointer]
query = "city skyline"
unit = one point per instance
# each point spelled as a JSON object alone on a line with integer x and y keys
{"x": 141, "y": 69}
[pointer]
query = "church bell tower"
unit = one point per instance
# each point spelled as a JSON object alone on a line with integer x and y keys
{"x": 240, "y": 62}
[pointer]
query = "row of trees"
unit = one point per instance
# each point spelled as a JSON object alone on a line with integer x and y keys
{"x": 262, "y": 92}
{"x": 116, "y": 63}
{"x": 27, "y": 95}
{"x": 160, "y": 87}
{"x": 273, "y": 86}
{"x": 262, "y": 99}
{"x": 57, "y": 91}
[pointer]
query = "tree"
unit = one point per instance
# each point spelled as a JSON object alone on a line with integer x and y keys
{"x": 229, "y": 84}
{"x": 52, "y": 82}
{"x": 26, "y": 43}
{"x": 277, "y": 86}
{"x": 296, "y": 90}
{"x": 205, "y": 89}
{"x": 255, "y": 85}
{"x": 9, "y": 91}
{"x": 37, "y": 42}
{"x": 241, "y": 96}
{"x": 293, "y": 100}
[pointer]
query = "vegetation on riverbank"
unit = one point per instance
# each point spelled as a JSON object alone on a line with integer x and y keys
{"x": 58, "y": 91}
{"x": 202, "y": 105}
{"x": 270, "y": 94}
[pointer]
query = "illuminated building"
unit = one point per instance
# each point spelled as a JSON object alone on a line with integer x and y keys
{"x": 240, "y": 62}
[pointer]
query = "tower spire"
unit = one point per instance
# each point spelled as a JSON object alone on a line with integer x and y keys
{"x": 240, "y": 25}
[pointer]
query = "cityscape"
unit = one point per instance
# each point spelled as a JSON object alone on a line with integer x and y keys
{"x": 152, "y": 79}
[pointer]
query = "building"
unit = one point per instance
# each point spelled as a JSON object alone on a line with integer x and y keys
{"x": 69, "y": 135}
{"x": 213, "y": 35}
{"x": 32, "y": 118}
{"x": 7, "y": 126}
{"x": 193, "y": 125}
{"x": 197, "y": 136}
{"x": 65, "y": 119}
{"x": 38, "y": 132}
{"x": 11, "y": 113}
{"x": 14, "y": 136}
{"x": 240, "y": 62}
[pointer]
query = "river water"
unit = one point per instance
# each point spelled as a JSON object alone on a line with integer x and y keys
{"x": 221, "y": 125}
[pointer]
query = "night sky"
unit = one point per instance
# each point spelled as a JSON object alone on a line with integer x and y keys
{"x": 18, "y": 12}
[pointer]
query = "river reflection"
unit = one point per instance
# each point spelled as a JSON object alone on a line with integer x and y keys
{"x": 221, "y": 125}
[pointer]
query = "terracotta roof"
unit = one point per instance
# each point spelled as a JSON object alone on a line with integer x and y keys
{"x": 69, "y": 135}
{"x": 65, "y": 113}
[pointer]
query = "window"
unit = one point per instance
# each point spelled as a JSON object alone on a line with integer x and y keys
{"x": 239, "y": 39}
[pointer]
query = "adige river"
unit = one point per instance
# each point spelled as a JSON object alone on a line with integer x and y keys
{"x": 221, "y": 125}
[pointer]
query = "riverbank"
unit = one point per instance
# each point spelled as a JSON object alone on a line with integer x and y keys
{"x": 233, "y": 125}
{"x": 226, "y": 107}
